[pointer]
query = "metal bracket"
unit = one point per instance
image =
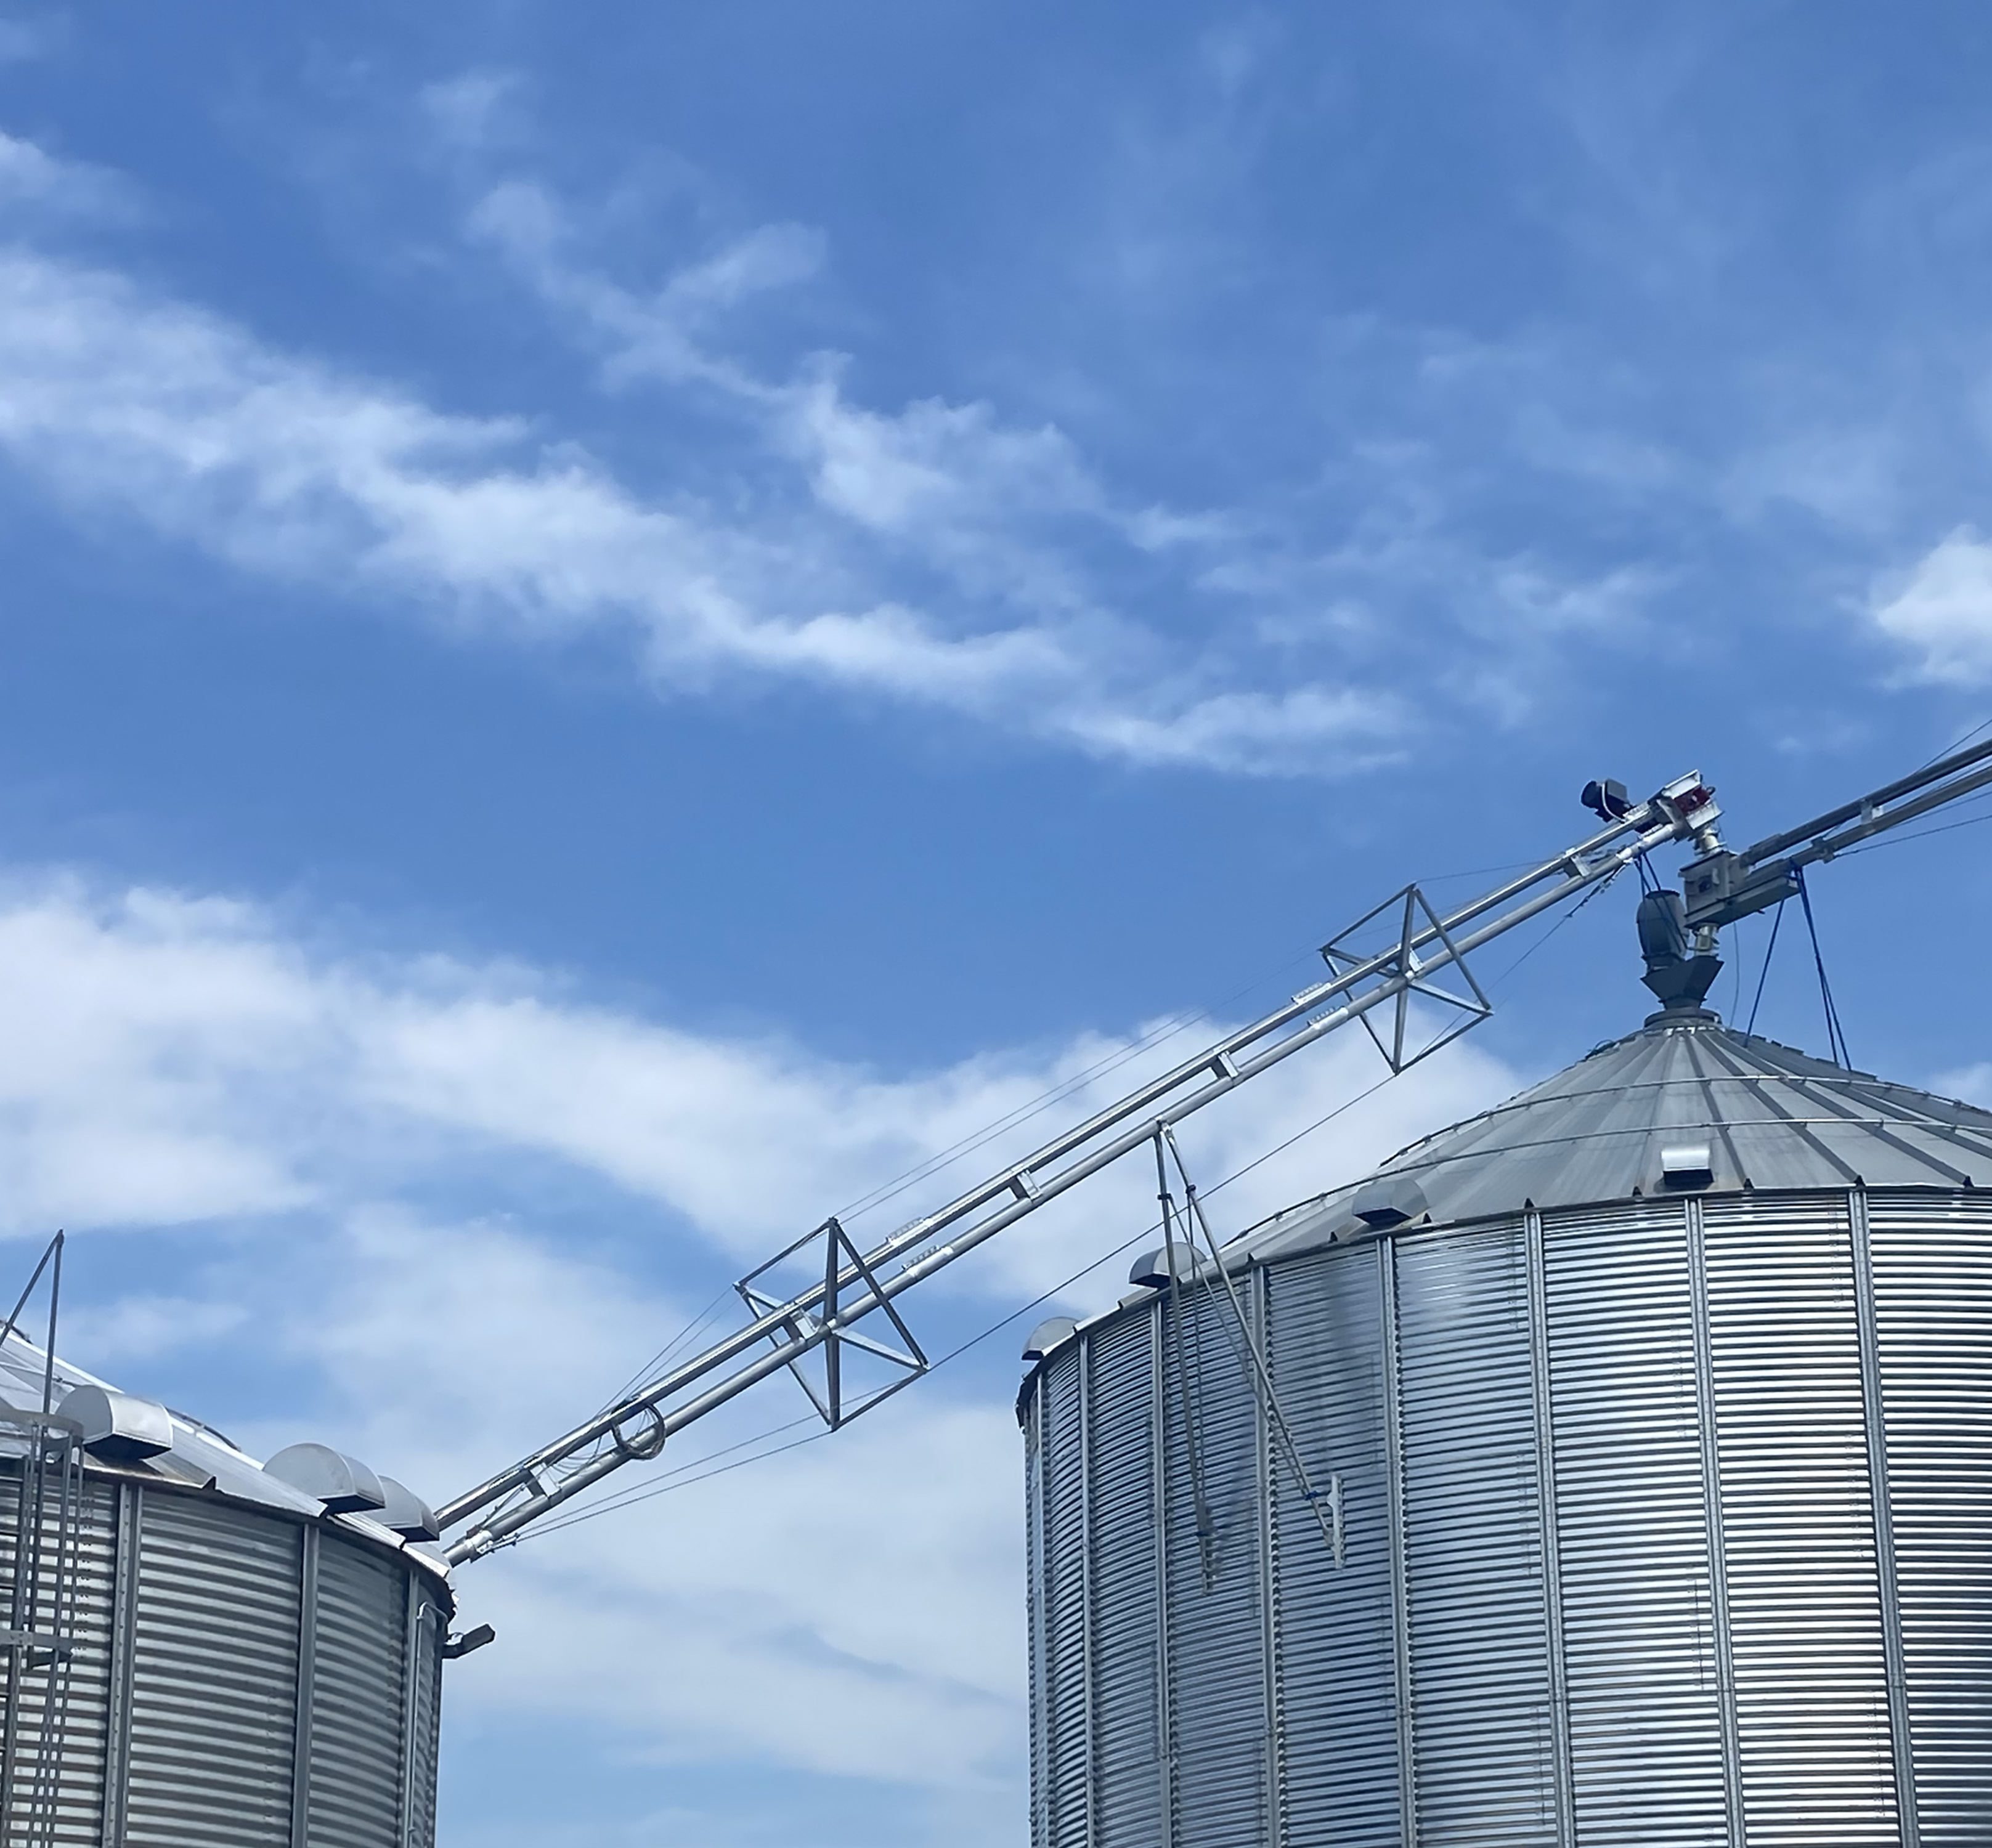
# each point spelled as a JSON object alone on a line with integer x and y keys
{"x": 830, "y": 1332}
{"x": 1342, "y": 954}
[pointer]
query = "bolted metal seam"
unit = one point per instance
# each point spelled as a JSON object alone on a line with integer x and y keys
{"x": 1546, "y": 1509}
{"x": 1900, "y": 1738}
{"x": 1711, "y": 1504}
{"x": 1400, "y": 1600}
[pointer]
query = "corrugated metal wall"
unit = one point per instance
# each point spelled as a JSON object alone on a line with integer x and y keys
{"x": 1934, "y": 1350}
{"x": 1473, "y": 1543}
{"x": 1124, "y": 1644}
{"x": 213, "y": 1642}
{"x": 1667, "y": 1522}
{"x": 1805, "y": 1606}
{"x": 1215, "y": 1686}
{"x": 1334, "y": 1659}
{"x": 219, "y": 1648}
{"x": 1645, "y": 1713}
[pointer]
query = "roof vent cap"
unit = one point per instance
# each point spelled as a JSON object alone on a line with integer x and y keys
{"x": 1390, "y": 1200}
{"x": 118, "y": 1427}
{"x": 1687, "y": 1165}
{"x": 1053, "y": 1332}
{"x": 1152, "y": 1268}
{"x": 344, "y": 1484}
{"x": 407, "y": 1513}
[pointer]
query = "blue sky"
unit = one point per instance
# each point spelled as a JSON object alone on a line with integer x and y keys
{"x": 617, "y": 626}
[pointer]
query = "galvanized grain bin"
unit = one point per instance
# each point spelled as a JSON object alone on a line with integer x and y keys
{"x": 201, "y": 1652}
{"x": 1654, "y": 1409}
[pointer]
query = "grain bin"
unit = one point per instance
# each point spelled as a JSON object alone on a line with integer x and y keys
{"x": 1652, "y": 1410}
{"x": 203, "y": 1650}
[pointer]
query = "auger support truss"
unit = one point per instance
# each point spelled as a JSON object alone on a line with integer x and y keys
{"x": 1414, "y": 944}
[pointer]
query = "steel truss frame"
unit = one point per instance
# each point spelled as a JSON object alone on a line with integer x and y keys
{"x": 800, "y": 1329}
{"x": 857, "y": 1284}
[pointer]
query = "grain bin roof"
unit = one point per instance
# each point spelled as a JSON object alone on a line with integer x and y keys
{"x": 200, "y": 1459}
{"x": 1616, "y": 1122}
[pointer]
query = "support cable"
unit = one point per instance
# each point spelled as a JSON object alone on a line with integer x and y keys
{"x": 692, "y": 1471}
{"x": 54, "y": 1245}
{"x": 1764, "y": 974}
{"x": 1328, "y": 1517}
{"x": 1835, "y": 1039}
{"x": 1188, "y": 1375}
{"x": 1496, "y": 983}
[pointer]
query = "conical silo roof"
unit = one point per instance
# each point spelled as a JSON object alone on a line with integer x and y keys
{"x": 1769, "y": 1116}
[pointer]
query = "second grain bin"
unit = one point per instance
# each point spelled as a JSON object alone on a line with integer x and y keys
{"x": 1654, "y": 1409}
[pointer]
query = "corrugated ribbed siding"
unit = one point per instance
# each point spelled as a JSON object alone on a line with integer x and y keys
{"x": 1639, "y": 1648}
{"x": 1602, "y": 1340}
{"x": 1804, "y": 1599}
{"x": 1064, "y": 1545}
{"x": 78, "y": 1766}
{"x": 1217, "y": 1690}
{"x": 1126, "y": 1718}
{"x": 1932, "y": 1265}
{"x": 356, "y": 1709}
{"x": 214, "y": 1677}
{"x": 1485, "y": 1739}
{"x": 1334, "y": 1657}
{"x": 1035, "y": 1496}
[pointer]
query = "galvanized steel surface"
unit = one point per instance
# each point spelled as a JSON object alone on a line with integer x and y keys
{"x": 1772, "y": 1119}
{"x": 1667, "y": 1520}
{"x": 245, "y": 1679}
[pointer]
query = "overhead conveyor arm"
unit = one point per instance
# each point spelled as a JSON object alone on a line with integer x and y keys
{"x": 1721, "y": 887}
{"x": 1417, "y": 945}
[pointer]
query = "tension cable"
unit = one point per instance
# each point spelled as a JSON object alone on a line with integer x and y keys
{"x": 1325, "y": 1505}
{"x": 1764, "y": 974}
{"x": 1835, "y": 1039}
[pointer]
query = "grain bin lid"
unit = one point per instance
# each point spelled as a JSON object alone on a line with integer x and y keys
{"x": 1684, "y": 1103}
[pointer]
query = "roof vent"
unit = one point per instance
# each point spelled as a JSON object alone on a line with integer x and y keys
{"x": 118, "y": 1427}
{"x": 1053, "y": 1332}
{"x": 1687, "y": 1165}
{"x": 344, "y": 1484}
{"x": 1390, "y": 1200}
{"x": 1151, "y": 1269}
{"x": 407, "y": 1513}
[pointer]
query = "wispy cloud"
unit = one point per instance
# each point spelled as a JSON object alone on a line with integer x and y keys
{"x": 1940, "y": 612}
{"x": 115, "y": 397}
{"x": 983, "y": 502}
{"x": 175, "y": 1059}
{"x": 33, "y": 182}
{"x": 23, "y": 39}
{"x": 1971, "y": 1085}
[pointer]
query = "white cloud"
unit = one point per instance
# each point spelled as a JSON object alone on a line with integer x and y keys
{"x": 950, "y": 483}
{"x": 172, "y": 1059}
{"x": 1972, "y": 1084}
{"x": 30, "y": 179}
{"x": 1940, "y": 611}
{"x": 22, "y": 40}
{"x": 132, "y": 1330}
{"x": 112, "y": 396}
{"x": 469, "y": 111}
{"x": 655, "y": 335}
